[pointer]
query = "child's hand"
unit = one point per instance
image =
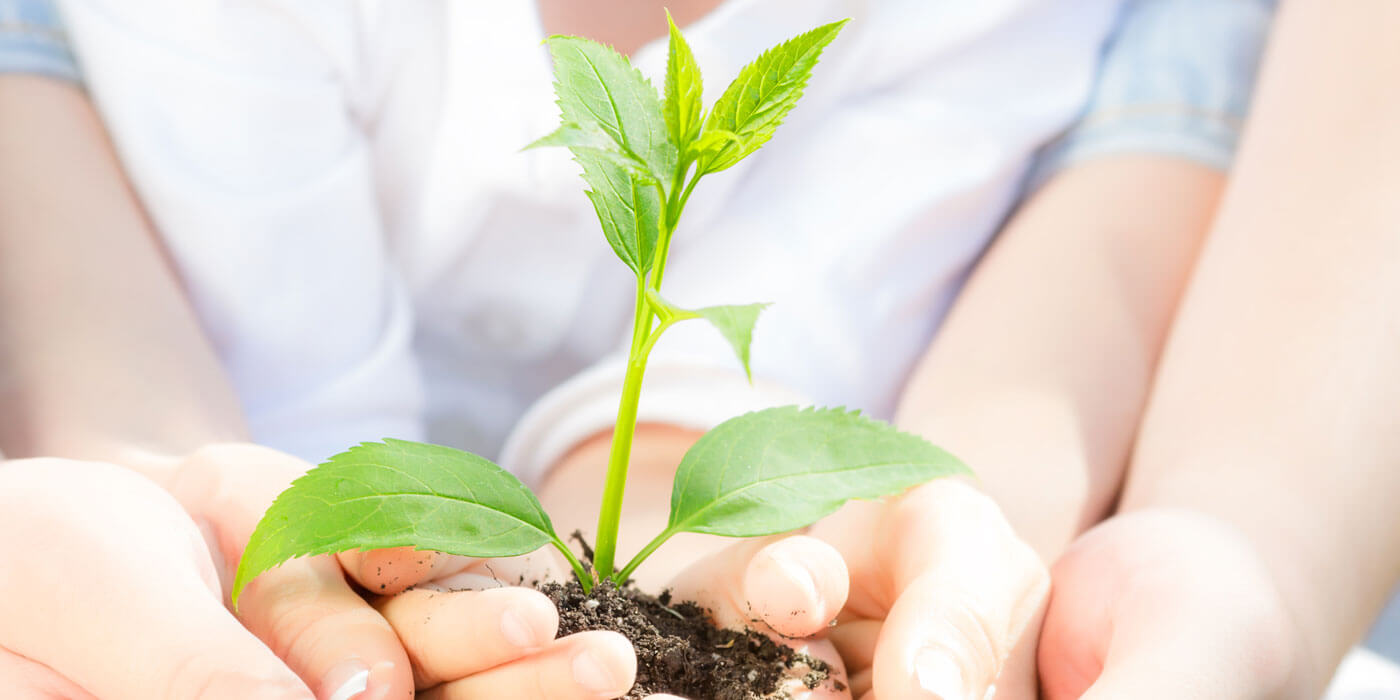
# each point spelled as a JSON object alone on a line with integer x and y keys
{"x": 494, "y": 641}
{"x": 786, "y": 586}
{"x": 471, "y": 632}
{"x": 945, "y": 600}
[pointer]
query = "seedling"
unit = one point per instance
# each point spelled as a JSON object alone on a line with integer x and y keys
{"x": 761, "y": 473}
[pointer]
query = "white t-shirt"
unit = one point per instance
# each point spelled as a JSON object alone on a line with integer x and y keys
{"x": 340, "y": 184}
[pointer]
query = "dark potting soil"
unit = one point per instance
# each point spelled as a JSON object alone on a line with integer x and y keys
{"x": 679, "y": 651}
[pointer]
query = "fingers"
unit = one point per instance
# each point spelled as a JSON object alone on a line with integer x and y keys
{"x": 960, "y": 595}
{"x": 835, "y": 687}
{"x": 26, "y": 680}
{"x": 855, "y": 643}
{"x": 390, "y": 571}
{"x": 583, "y": 666}
{"x": 324, "y": 631}
{"x": 304, "y": 610}
{"x": 1161, "y": 604}
{"x": 791, "y": 586}
{"x": 451, "y": 635}
{"x": 85, "y": 543}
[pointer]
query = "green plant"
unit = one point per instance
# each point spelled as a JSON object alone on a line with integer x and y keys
{"x": 762, "y": 473}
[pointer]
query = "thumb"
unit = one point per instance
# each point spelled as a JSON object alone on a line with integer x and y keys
{"x": 960, "y": 594}
{"x": 790, "y": 586}
{"x": 121, "y": 597}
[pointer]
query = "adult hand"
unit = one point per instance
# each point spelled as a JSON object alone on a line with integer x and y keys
{"x": 1169, "y": 604}
{"x": 307, "y": 611}
{"x": 108, "y": 590}
{"x": 99, "y": 555}
{"x": 945, "y": 601}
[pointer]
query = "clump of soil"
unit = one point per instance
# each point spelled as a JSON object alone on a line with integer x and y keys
{"x": 679, "y": 651}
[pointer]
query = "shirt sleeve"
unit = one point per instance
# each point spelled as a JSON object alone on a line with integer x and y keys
{"x": 32, "y": 40}
{"x": 237, "y": 127}
{"x": 1175, "y": 79}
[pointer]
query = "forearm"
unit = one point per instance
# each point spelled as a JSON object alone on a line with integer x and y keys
{"x": 1277, "y": 402}
{"x": 1039, "y": 376}
{"x": 100, "y": 355}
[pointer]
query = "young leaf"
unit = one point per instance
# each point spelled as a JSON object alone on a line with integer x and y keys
{"x": 763, "y": 93}
{"x": 784, "y": 468}
{"x": 628, "y": 205}
{"x": 398, "y": 494}
{"x": 736, "y": 324}
{"x": 596, "y": 84}
{"x": 711, "y": 142}
{"x": 683, "y": 90}
{"x": 589, "y": 138}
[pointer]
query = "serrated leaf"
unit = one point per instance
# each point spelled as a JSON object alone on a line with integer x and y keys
{"x": 754, "y": 105}
{"x": 629, "y": 208}
{"x": 684, "y": 90}
{"x": 589, "y": 138}
{"x": 398, "y": 494}
{"x": 784, "y": 468}
{"x": 595, "y": 84}
{"x": 712, "y": 142}
{"x": 736, "y": 324}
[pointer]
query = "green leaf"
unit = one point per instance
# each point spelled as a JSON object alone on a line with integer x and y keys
{"x": 712, "y": 142}
{"x": 736, "y": 324}
{"x": 684, "y": 90}
{"x": 629, "y": 207}
{"x": 597, "y": 85}
{"x": 398, "y": 494}
{"x": 784, "y": 468}
{"x": 763, "y": 93}
{"x": 590, "y": 139}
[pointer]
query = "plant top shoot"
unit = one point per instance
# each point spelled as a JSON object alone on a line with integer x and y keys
{"x": 762, "y": 473}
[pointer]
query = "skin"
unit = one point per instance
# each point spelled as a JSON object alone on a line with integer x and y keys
{"x": 1054, "y": 341}
{"x": 1289, "y": 329}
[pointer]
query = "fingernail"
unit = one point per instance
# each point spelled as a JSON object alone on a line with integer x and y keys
{"x": 517, "y": 630}
{"x": 940, "y": 675}
{"x": 346, "y": 680}
{"x": 800, "y": 576}
{"x": 381, "y": 680}
{"x": 593, "y": 675}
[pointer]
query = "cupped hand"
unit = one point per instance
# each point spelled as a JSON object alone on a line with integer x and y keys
{"x": 108, "y": 590}
{"x": 471, "y": 635}
{"x": 116, "y": 588}
{"x": 945, "y": 601}
{"x": 475, "y": 643}
{"x": 1167, "y": 604}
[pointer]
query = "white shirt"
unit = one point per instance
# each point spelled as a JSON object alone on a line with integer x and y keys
{"x": 341, "y": 186}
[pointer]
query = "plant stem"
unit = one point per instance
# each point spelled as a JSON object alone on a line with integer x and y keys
{"x": 610, "y": 513}
{"x": 584, "y": 578}
{"x": 643, "y": 339}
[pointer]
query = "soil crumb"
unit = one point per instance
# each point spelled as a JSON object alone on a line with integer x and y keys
{"x": 679, "y": 650}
